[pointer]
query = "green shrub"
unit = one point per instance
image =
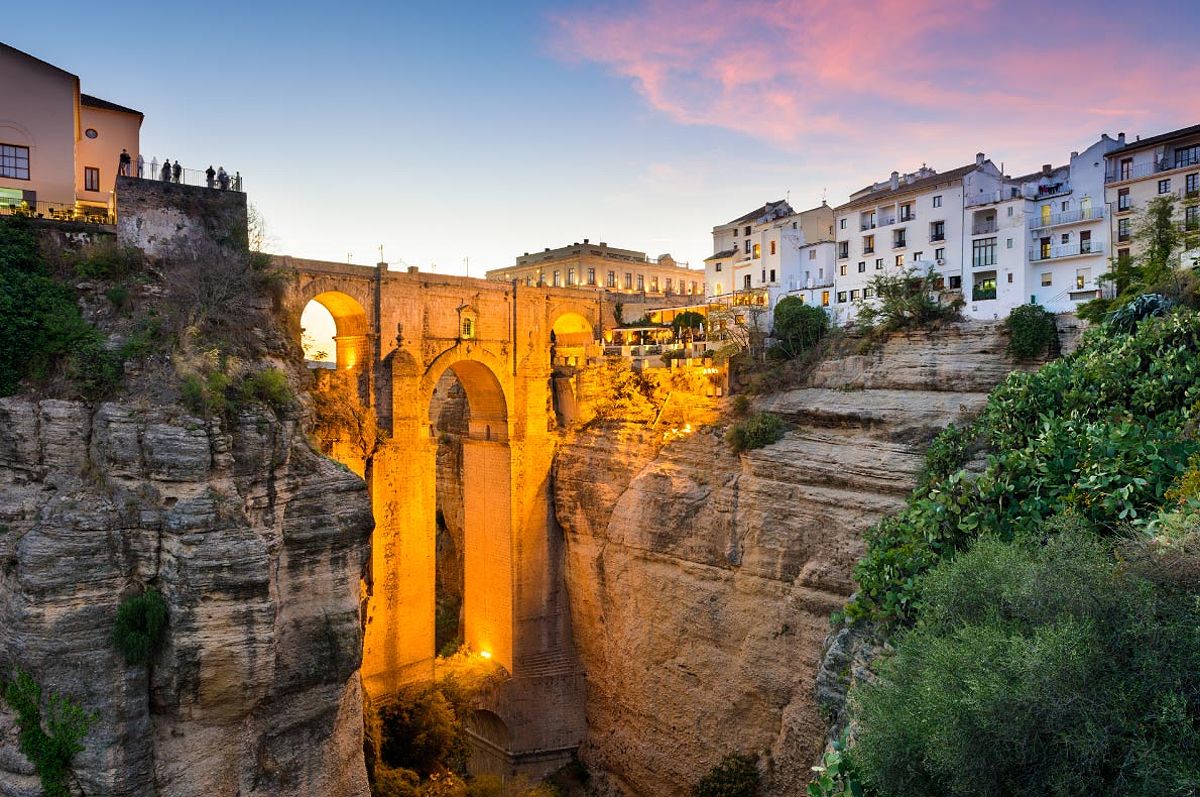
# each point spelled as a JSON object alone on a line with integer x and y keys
{"x": 51, "y": 739}
{"x": 945, "y": 455}
{"x": 419, "y": 729}
{"x": 206, "y": 394}
{"x": 735, "y": 776}
{"x": 1031, "y": 331}
{"x": 1038, "y": 668}
{"x": 119, "y": 296}
{"x": 758, "y": 430}
{"x": 741, "y": 405}
{"x": 107, "y": 260}
{"x": 797, "y": 326}
{"x": 389, "y": 782}
{"x": 1126, "y": 318}
{"x": 95, "y": 369}
{"x": 141, "y": 623}
{"x": 269, "y": 386}
{"x": 906, "y": 300}
{"x": 836, "y": 774}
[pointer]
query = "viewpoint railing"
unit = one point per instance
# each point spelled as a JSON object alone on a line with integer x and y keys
{"x": 153, "y": 170}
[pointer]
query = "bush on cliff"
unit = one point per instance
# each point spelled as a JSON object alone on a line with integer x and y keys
{"x": 1040, "y": 667}
{"x": 798, "y": 326}
{"x": 141, "y": 624}
{"x": 758, "y": 430}
{"x": 50, "y": 731}
{"x": 1031, "y": 331}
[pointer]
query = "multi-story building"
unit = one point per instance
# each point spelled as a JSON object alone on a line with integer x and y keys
{"x": 58, "y": 146}
{"x": 772, "y": 252}
{"x": 1139, "y": 170}
{"x": 604, "y": 267}
{"x": 913, "y": 219}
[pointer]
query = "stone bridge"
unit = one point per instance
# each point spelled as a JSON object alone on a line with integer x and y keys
{"x": 398, "y": 333}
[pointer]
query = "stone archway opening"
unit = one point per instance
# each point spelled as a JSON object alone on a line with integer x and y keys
{"x": 334, "y": 332}
{"x": 489, "y": 743}
{"x": 473, "y": 591}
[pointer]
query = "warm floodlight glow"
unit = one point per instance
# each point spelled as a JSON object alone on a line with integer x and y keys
{"x": 486, "y": 654}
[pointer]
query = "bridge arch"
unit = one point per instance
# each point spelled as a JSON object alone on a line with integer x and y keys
{"x": 351, "y": 327}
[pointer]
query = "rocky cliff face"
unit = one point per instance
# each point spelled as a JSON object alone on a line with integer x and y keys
{"x": 701, "y": 581}
{"x": 258, "y": 546}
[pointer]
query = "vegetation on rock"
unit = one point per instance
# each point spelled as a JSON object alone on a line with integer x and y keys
{"x": 757, "y": 430}
{"x": 905, "y": 300}
{"x": 141, "y": 624}
{"x": 798, "y": 327}
{"x": 1031, "y": 331}
{"x": 50, "y": 738}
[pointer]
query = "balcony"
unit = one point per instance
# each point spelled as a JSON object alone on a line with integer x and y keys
{"x": 910, "y": 216}
{"x": 1139, "y": 170}
{"x": 984, "y": 198}
{"x": 868, "y": 250}
{"x": 885, "y": 221}
{"x": 900, "y": 243}
{"x": 984, "y": 228}
{"x": 1067, "y": 217}
{"x": 937, "y": 236}
{"x": 1084, "y": 249}
{"x": 866, "y": 225}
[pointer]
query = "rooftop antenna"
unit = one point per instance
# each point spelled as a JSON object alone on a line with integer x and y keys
{"x": 823, "y": 192}
{"x": 466, "y": 266}
{"x": 349, "y": 257}
{"x": 381, "y": 253}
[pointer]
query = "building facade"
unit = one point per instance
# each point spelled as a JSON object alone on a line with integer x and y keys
{"x": 603, "y": 267}
{"x": 1140, "y": 170}
{"x": 58, "y": 147}
{"x": 772, "y": 252}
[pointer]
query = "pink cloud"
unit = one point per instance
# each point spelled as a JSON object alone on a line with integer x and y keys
{"x": 903, "y": 78}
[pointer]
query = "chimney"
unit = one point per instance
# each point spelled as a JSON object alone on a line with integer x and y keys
{"x": 1047, "y": 169}
{"x": 979, "y": 159}
{"x": 1074, "y": 155}
{"x": 413, "y": 269}
{"x": 547, "y": 249}
{"x": 1121, "y": 137}
{"x": 585, "y": 240}
{"x": 895, "y": 180}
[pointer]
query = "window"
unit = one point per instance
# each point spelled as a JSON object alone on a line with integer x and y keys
{"x": 1126, "y": 168}
{"x": 591, "y": 276}
{"x": 899, "y": 261}
{"x": 1123, "y": 228}
{"x": 812, "y": 254}
{"x": 1010, "y": 210}
{"x": 955, "y": 282}
{"x": 854, "y": 294}
{"x": 937, "y": 201}
{"x": 841, "y": 297}
{"x": 1122, "y": 254}
{"x": 868, "y": 293}
{"x": 717, "y": 268}
{"x": 841, "y": 224}
{"x": 91, "y": 178}
{"x": 1085, "y": 241}
{"x": 906, "y": 212}
{"x": 868, "y": 244}
{"x": 747, "y": 248}
{"x": 1009, "y": 278}
{"x": 1064, "y": 205}
{"x": 735, "y": 232}
{"x": 1164, "y": 186}
{"x": 772, "y": 247}
{"x": 940, "y": 253}
{"x": 718, "y": 289}
{"x": 654, "y": 284}
{"x": 14, "y": 162}
{"x": 1047, "y": 279}
{"x": 984, "y": 288}
{"x": 557, "y": 279}
{"x": 757, "y": 250}
{"x": 570, "y": 276}
{"x": 693, "y": 286}
{"x": 772, "y": 275}
{"x": 824, "y": 298}
{"x": 879, "y": 264}
{"x": 918, "y": 255}
{"x": 899, "y": 239}
{"x": 1082, "y": 277}
{"x": 842, "y": 269}
{"x": 1191, "y": 218}
{"x": 628, "y": 281}
{"x": 746, "y": 282}
{"x": 983, "y": 252}
{"x": 612, "y": 277}
{"x": 641, "y": 282}
{"x": 668, "y": 284}
{"x": 1066, "y": 238}
{"x": 1008, "y": 243}
{"x": 1187, "y": 156}
{"x": 937, "y": 231}
{"x": 843, "y": 249}
{"x": 1191, "y": 184}
{"x": 468, "y": 327}
{"x": 1123, "y": 199}
{"x": 862, "y": 266}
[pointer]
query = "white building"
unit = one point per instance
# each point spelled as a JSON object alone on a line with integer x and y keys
{"x": 912, "y": 219}
{"x": 772, "y": 252}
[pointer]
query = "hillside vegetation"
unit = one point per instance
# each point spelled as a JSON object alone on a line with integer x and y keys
{"x": 1044, "y": 602}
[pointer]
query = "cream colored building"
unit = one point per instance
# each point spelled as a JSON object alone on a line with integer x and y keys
{"x": 1140, "y": 170}
{"x": 600, "y": 266}
{"x": 58, "y": 146}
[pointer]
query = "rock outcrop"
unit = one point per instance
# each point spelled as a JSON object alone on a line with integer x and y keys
{"x": 701, "y": 582}
{"x": 258, "y": 545}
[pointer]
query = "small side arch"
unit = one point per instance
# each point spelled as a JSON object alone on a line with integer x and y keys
{"x": 488, "y": 395}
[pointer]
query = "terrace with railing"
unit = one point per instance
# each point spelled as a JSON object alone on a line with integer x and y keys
{"x": 1082, "y": 249}
{"x": 197, "y": 177}
{"x": 57, "y": 211}
{"x": 1067, "y": 217}
{"x": 1121, "y": 171}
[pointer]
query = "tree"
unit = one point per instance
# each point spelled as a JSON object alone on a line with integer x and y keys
{"x": 1156, "y": 236}
{"x": 905, "y": 301}
{"x": 740, "y": 325}
{"x": 619, "y": 312}
{"x": 687, "y": 324}
{"x": 798, "y": 326}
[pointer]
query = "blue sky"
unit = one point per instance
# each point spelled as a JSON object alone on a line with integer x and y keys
{"x": 483, "y": 130}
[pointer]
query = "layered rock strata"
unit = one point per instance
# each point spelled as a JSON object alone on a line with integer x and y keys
{"x": 702, "y": 581}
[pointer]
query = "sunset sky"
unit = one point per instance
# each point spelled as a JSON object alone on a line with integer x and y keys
{"x": 456, "y": 131}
